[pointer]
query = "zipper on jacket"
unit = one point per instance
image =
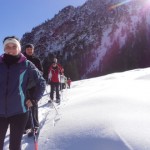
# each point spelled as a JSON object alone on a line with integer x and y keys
{"x": 6, "y": 94}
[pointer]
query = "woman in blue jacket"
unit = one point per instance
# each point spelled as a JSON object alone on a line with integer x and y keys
{"x": 17, "y": 75}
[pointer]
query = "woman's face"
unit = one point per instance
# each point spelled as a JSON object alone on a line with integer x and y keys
{"x": 11, "y": 49}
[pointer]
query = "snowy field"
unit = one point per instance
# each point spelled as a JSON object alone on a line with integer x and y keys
{"x": 111, "y": 112}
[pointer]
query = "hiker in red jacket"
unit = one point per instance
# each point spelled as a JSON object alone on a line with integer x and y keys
{"x": 69, "y": 82}
{"x": 54, "y": 73}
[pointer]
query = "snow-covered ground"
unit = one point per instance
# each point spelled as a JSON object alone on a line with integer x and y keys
{"x": 111, "y": 112}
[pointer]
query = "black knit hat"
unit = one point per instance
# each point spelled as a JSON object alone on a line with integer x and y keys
{"x": 29, "y": 46}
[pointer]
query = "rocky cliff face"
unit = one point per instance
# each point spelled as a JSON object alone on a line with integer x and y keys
{"x": 97, "y": 38}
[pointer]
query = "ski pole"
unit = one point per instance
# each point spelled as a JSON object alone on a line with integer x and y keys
{"x": 54, "y": 107}
{"x": 34, "y": 134}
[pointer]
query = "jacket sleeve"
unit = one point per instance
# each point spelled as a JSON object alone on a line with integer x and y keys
{"x": 37, "y": 81}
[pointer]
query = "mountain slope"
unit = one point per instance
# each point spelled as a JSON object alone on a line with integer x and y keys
{"x": 97, "y": 38}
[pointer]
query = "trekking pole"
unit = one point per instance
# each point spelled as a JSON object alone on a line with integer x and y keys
{"x": 57, "y": 115}
{"x": 54, "y": 107}
{"x": 34, "y": 134}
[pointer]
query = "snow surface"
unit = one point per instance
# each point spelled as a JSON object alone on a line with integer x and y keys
{"x": 110, "y": 112}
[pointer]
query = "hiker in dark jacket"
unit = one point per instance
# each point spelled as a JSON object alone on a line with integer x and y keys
{"x": 17, "y": 75}
{"x": 29, "y": 53}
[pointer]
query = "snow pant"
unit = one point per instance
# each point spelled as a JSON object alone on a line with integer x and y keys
{"x": 34, "y": 110}
{"x": 54, "y": 86}
{"x": 62, "y": 86}
{"x": 68, "y": 86}
{"x": 17, "y": 124}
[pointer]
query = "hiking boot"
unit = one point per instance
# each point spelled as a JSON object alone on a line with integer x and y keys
{"x": 50, "y": 101}
{"x": 58, "y": 101}
{"x": 31, "y": 132}
{"x": 26, "y": 131}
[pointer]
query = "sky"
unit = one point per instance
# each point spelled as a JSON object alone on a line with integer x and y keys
{"x": 110, "y": 112}
{"x": 20, "y": 16}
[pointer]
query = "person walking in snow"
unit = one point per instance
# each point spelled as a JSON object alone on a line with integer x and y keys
{"x": 17, "y": 75}
{"x": 69, "y": 82}
{"x": 55, "y": 70}
{"x": 62, "y": 81}
{"x": 29, "y": 54}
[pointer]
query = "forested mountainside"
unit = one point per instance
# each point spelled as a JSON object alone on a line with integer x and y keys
{"x": 97, "y": 38}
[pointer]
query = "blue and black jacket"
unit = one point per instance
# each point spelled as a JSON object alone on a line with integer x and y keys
{"x": 15, "y": 81}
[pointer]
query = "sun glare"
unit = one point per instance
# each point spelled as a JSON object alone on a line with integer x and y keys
{"x": 144, "y": 3}
{"x": 147, "y": 2}
{"x": 119, "y": 4}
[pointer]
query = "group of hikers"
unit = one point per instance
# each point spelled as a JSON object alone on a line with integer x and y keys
{"x": 21, "y": 87}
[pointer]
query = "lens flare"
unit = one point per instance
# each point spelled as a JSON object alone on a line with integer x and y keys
{"x": 119, "y": 4}
{"x": 144, "y": 3}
